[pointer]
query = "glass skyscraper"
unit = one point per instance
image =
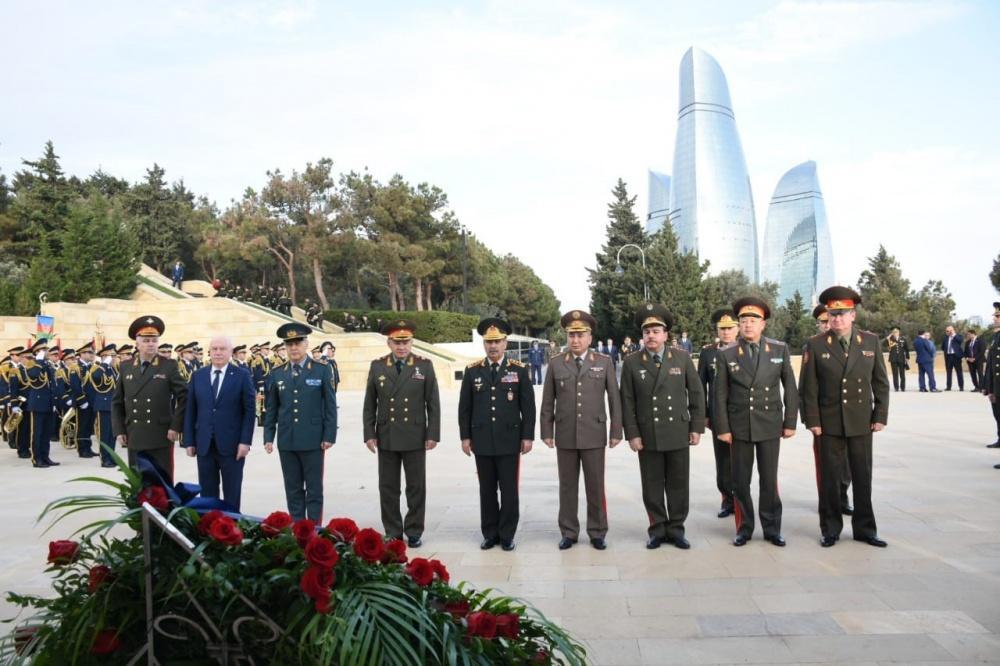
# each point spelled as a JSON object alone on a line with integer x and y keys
{"x": 659, "y": 201}
{"x": 711, "y": 205}
{"x": 798, "y": 254}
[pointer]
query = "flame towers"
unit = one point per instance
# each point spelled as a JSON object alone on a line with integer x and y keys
{"x": 711, "y": 205}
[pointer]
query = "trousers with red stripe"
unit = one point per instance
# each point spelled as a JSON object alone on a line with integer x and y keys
{"x": 743, "y": 453}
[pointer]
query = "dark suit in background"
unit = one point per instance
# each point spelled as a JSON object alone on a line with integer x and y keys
{"x": 925, "y": 362}
{"x": 216, "y": 425}
{"x": 951, "y": 347}
{"x": 975, "y": 354}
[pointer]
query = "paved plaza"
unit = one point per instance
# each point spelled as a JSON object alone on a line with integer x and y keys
{"x": 932, "y": 596}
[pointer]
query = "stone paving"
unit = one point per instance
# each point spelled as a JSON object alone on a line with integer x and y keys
{"x": 931, "y": 597}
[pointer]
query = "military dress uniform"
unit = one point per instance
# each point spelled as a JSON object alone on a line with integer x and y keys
{"x": 149, "y": 400}
{"x": 822, "y": 318}
{"x": 102, "y": 380}
{"x": 899, "y": 360}
{"x": 573, "y": 413}
{"x": 85, "y": 408}
{"x": 708, "y": 359}
{"x": 755, "y": 400}
{"x": 991, "y": 376}
{"x": 402, "y": 411}
{"x": 496, "y": 412}
{"x": 844, "y": 392}
{"x": 35, "y": 381}
{"x": 7, "y": 367}
{"x": 662, "y": 404}
{"x": 302, "y": 409}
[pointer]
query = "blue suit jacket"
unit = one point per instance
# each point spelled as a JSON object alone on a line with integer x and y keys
{"x": 229, "y": 419}
{"x": 925, "y": 350}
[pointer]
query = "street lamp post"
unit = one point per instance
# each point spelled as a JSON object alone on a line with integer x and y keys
{"x": 621, "y": 271}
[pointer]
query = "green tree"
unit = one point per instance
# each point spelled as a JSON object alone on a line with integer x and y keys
{"x": 41, "y": 203}
{"x": 676, "y": 280}
{"x": 157, "y": 219}
{"x": 613, "y": 296}
{"x": 886, "y": 297}
{"x": 994, "y": 274}
{"x": 796, "y": 323}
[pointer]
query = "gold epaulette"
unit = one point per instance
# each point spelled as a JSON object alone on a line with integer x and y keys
{"x": 476, "y": 364}
{"x": 514, "y": 362}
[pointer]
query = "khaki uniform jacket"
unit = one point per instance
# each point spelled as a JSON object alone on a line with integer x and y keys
{"x": 573, "y": 408}
{"x": 844, "y": 395}
{"x": 402, "y": 410}
{"x": 662, "y": 405}
{"x": 496, "y": 415}
{"x": 147, "y": 404}
{"x": 748, "y": 401}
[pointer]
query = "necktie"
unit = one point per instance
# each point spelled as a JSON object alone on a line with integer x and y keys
{"x": 579, "y": 363}
{"x": 399, "y": 367}
{"x": 493, "y": 371}
{"x": 845, "y": 343}
{"x": 296, "y": 369}
{"x": 145, "y": 364}
{"x": 755, "y": 353}
{"x": 215, "y": 383}
{"x": 656, "y": 360}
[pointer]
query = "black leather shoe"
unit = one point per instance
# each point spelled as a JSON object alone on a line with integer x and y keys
{"x": 40, "y": 464}
{"x": 996, "y": 466}
{"x": 24, "y": 456}
{"x": 827, "y": 541}
{"x": 725, "y": 511}
{"x": 488, "y": 543}
{"x": 777, "y": 540}
{"x": 681, "y": 542}
{"x": 847, "y": 510}
{"x": 937, "y": 390}
{"x": 872, "y": 541}
{"x": 108, "y": 464}
{"x": 53, "y": 463}
{"x": 599, "y": 543}
{"x": 507, "y": 545}
{"x": 994, "y": 445}
{"x": 414, "y": 541}
{"x": 740, "y": 540}
{"x": 566, "y": 543}
{"x": 654, "y": 542}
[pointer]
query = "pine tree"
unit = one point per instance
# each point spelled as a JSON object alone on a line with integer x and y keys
{"x": 614, "y": 297}
{"x": 42, "y": 198}
{"x": 676, "y": 280}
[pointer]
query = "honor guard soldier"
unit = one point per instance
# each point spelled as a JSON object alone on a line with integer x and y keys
{"x": 86, "y": 414}
{"x": 240, "y": 356}
{"x": 166, "y": 350}
{"x": 302, "y": 408}
{"x": 663, "y": 408}
{"x": 725, "y": 324}
{"x": 77, "y": 398}
{"x": 899, "y": 358}
{"x": 23, "y": 433}
{"x": 102, "y": 379}
{"x": 496, "y": 421}
{"x": 329, "y": 352}
{"x": 402, "y": 421}
{"x": 125, "y": 353}
{"x": 8, "y": 367}
{"x": 756, "y": 405}
{"x": 845, "y": 399}
{"x": 574, "y": 420}
{"x": 991, "y": 376}
{"x": 147, "y": 409}
{"x": 822, "y": 318}
{"x": 35, "y": 381}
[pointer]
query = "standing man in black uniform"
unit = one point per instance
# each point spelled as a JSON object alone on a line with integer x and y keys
{"x": 496, "y": 421}
{"x": 991, "y": 376}
{"x": 822, "y": 318}
{"x": 756, "y": 406}
{"x": 725, "y": 325}
{"x": 899, "y": 356}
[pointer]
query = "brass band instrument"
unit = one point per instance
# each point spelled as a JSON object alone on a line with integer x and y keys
{"x": 13, "y": 419}
{"x": 259, "y": 408}
{"x": 68, "y": 428}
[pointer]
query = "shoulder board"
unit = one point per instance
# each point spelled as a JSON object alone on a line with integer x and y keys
{"x": 708, "y": 346}
{"x": 514, "y": 362}
{"x": 597, "y": 353}
{"x": 633, "y": 353}
{"x": 729, "y": 346}
{"x": 418, "y": 357}
{"x": 279, "y": 365}
{"x": 475, "y": 364}
{"x": 772, "y": 341}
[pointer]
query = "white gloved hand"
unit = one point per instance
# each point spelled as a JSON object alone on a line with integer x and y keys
{"x": 40, "y": 356}
{"x": 16, "y": 410}
{"x": 69, "y": 403}
{"x": 85, "y": 405}
{"x": 106, "y": 360}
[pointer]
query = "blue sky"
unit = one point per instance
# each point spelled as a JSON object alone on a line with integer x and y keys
{"x": 526, "y": 114}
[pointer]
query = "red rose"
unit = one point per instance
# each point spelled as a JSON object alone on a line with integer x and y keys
{"x": 225, "y": 531}
{"x": 275, "y": 524}
{"x": 440, "y": 571}
{"x": 304, "y": 530}
{"x": 421, "y": 571}
{"x": 482, "y": 624}
{"x": 508, "y": 625}
{"x": 317, "y": 581}
{"x": 99, "y": 574}
{"x": 458, "y": 609}
{"x": 323, "y": 605}
{"x": 63, "y": 552}
{"x": 395, "y": 552}
{"x": 343, "y": 529}
{"x": 369, "y": 546}
{"x": 322, "y": 553}
{"x": 156, "y": 496}
{"x": 541, "y": 657}
{"x": 105, "y": 642}
{"x": 205, "y": 523}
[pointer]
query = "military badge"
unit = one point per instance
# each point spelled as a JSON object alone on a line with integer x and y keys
{"x": 676, "y": 371}
{"x": 824, "y": 355}
{"x": 510, "y": 396}
{"x": 867, "y": 353}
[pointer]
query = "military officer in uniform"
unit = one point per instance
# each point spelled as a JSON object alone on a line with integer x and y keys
{"x": 574, "y": 420}
{"x": 822, "y": 318}
{"x": 302, "y": 408}
{"x": 240, "y": 356}
{"x": 725, "y": 325}
{"x": 35, "y": 381}
{"x": 991, "y": 376}
{"x": 845, "y": 399}
{"x": 402, "y": 421}
{"x": 125, "y": 353}
{"x": 496, "y": 421}
{"x": 756, "y": 405}
{"x": 147, "y": 409}
{"x": 899, "y": 358}
{"x": 329, "y": 352}
{"x": 165, "y": 350}
{"x": 102, "y": 379}
{"x": 663, "y": 407}
{"x": 85, "y": 410}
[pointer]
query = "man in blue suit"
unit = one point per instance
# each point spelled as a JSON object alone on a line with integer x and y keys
{"x": 177, "y": 275}
{"x": 219, "y": 422}
{"x": 925, "y": 361}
